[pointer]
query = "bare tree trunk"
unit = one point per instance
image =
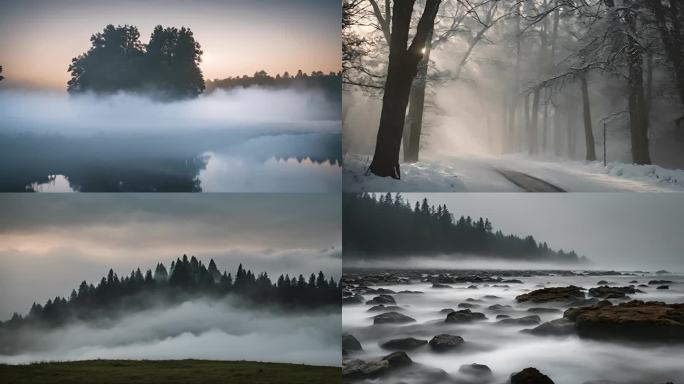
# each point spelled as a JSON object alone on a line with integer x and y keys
{"x": 416, "y": 106}
{"x": 516, "y": 87}
{"x": 533, "y": 128}
{"x": 638, "y": 122}
{"x": 526, "y": 104}
{"x": 571, "y": 135}
{"x": 557, "y": 129}
{"x": 588, "y": 131}
{"x": 669, "y": 21}
{"x": 649, "y": 86}
{"x": 402, "y": 69}
{"x": 545, "y": 122}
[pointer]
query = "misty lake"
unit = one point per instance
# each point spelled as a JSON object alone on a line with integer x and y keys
{"x": 244, "y": 141}
{"x": 503, "y": 347}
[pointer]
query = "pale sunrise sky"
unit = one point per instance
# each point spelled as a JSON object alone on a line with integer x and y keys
{"x": 38, "y": 38}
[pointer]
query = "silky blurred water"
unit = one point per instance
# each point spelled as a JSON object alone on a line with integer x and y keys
{"x": 566, "y": 360}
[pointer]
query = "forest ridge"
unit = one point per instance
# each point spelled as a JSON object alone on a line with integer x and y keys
{"x": 386, "y": 226}
{"x": 185, "y": 279}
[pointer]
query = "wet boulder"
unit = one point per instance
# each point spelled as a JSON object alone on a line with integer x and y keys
{"x": 563, "y": 294}
{"x": 441, "y": 286}
{"x": 471, "y": 300}
{"x": 636, "y": 321}
{"x": 464, "y": 316}
{"x": 392, "y": 318}
{"x": 480, "y": 372}
{"x": 527, "y": 320}
{"x": 398, "y": 359}
{"x": 404, "y": 344}
{"x": 543, "y": 310}
{"x": 468, "y": 305}
{"x": 660, "y": 282}
{"x": 360, "y": 369}
{"x": 382, "y": 307}
{"x": 384, "y": 290}
{"x": 606, "y": 292}
{"x": 444, "y": 342}
{"x": 491, "y": 297}
{"x": 499, "y": 307}
{"x": 499, "y": 317}
{"x": 583, "y": 302}
{"x": 444, "y": 279}
{"x": 663, "y": 287}
{"x": 530, "y": 376}
{"x": 381, "y": 299}
{"x": 350, "y": 344}
{"x": 557, "y": 327}
{"x": 356, "y": 299}
{"x": 447, "y": 310}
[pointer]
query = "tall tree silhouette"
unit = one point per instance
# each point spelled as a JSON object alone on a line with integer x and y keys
{"x": 401, "y": 70}
{"x": 118, "y": 61}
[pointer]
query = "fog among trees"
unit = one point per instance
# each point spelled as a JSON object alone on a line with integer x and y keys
{"x": 390, "y": 227}
{"x": 185, "y": 279}
{"x": 533, "y": 77}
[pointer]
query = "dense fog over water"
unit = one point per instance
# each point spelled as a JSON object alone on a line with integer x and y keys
{"x": 240, "y": 140}
{"x": 73, "y": 115}
{"x": 197, "y": 329}
{"x": 566, "y": 360}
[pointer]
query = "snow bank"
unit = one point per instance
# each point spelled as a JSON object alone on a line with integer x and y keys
{"x": 646, "y": 172}
{"x": 479, "y": 174}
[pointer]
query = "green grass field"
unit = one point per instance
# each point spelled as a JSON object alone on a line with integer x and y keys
{"x": 167, "y": 371}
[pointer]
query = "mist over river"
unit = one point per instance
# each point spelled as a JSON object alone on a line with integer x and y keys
{"x": 503, "y": 347}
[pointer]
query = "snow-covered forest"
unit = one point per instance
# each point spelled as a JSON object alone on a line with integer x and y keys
{"x": 596, "y": 85}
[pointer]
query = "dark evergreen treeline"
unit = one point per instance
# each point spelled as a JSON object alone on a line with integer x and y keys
{"x": 330, "y": 83}
{"x": 388, "y": 226}
{"x": 117, "y": 61}
{"x": 185, "y": 279}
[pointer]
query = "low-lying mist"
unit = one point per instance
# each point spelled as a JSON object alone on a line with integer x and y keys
{"x": 225, "y": 329}
{"x": 462, "y": 262}
{"x": 68, "y": 115}
{"x": 128, "y": 142}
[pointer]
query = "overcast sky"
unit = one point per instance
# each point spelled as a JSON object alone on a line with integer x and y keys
{"x": 38, "y": 38}
{"x": 50, "y": 243}
{"x": 615, "y": 230}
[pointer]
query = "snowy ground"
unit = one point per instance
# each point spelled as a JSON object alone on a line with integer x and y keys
{"x": 482, "y": 174}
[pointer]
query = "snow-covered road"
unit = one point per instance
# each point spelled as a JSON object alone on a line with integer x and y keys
{"x": 483, "y": 174}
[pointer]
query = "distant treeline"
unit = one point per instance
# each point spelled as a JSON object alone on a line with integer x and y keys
{"x": 187, "y": 278}
{"x": 330, "y": 83}
{"x": 388, "y": 227}
{"x": 117, "y": 61}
